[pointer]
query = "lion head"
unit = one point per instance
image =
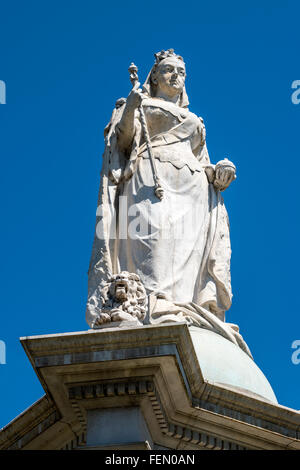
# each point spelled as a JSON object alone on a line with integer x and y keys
{"x": 124, "y": 297}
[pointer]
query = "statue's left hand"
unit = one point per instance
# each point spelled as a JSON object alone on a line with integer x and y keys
{"x": 225, "y": 173}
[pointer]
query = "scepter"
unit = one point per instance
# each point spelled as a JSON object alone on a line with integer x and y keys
{"x": 158, "y": 188}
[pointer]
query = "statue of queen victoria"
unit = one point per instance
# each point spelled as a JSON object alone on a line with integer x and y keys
{"x": 161, "y": 251}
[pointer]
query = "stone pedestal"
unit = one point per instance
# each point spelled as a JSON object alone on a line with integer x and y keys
{"x": 149, "y": 387}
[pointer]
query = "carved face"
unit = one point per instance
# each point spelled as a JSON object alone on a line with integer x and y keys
{"x": 169, "y": 77}
{"x": 121, "y": 287}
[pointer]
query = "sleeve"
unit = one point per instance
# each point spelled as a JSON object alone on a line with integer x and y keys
{"x": 199, "y": 143}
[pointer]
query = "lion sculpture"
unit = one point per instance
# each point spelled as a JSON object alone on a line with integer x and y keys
{"x": 123, "y": 298}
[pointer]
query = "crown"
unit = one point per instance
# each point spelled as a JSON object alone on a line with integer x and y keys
{"x": 159, "y": 56}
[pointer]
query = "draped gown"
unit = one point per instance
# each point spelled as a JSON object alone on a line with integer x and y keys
{"x": 180, "y": 245}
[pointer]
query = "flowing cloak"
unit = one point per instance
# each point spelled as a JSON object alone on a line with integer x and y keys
{"x": 179, "y": 246}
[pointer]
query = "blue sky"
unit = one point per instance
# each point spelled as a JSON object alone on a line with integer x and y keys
{"x": 65, "y": 64}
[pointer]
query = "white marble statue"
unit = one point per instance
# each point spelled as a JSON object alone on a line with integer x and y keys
{"x": 160, "y": 212}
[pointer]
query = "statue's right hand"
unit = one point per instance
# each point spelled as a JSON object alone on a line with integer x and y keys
{"x": 129, "y": 170}
{"x": 135, "y": 97}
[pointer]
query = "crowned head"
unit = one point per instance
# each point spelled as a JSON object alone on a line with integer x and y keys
{"x": 167, "y": 77}
{"x": 162, "y": 55}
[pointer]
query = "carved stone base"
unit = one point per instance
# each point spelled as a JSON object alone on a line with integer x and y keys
{"x": 165, "y": 379}
{"x": 119, "y": 324}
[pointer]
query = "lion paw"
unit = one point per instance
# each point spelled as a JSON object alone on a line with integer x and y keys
{"x": 120, "y": 315}
{"x": 102, "y": 318}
